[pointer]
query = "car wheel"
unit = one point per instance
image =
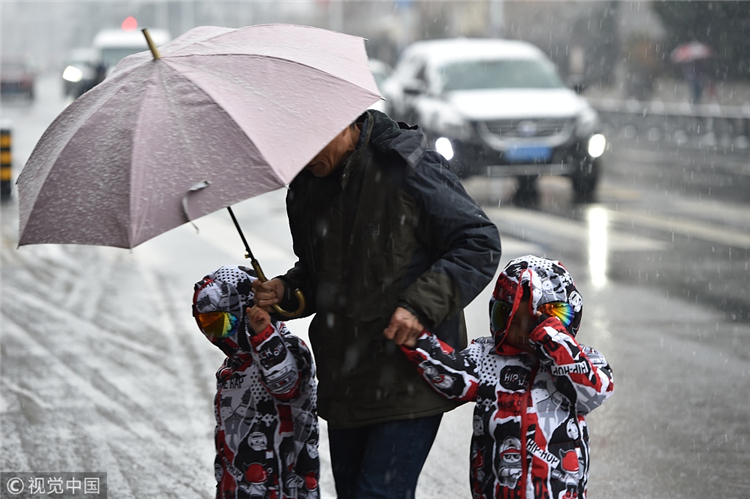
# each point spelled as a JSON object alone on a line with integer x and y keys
{"x": 585, "y": 180}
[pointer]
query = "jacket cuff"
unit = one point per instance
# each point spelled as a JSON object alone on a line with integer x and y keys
{"x": 424, "y": 335}
{"x": 416, "y": 314}
{"x": 538, "y": 333}
{"x": 257, "y": 340}
{"x": 428, "y": 297}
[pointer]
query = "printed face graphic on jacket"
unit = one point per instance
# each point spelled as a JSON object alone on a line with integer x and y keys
{"x": 508, "y": 462}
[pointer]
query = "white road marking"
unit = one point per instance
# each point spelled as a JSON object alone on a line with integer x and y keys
{"x": 563, "y": 228}
{"x": 737, "y": 238}
{"x": 712, "y": 222}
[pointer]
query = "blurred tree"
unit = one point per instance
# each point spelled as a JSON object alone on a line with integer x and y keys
{"x": 722, "y": 25}
{"x": 643, "y": 58}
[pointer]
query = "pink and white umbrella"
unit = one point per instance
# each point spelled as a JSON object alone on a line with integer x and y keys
{"x": 223, "y": 115}
{"x": 688, "y": 52}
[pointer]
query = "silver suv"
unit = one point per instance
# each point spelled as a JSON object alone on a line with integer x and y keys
{"x": 498, "y": 108}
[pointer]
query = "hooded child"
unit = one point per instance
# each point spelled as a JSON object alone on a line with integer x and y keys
{"x": 266, "y": 418}
{"x": 532, "y": 382}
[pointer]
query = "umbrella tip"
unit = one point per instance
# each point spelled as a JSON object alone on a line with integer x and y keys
{"x": 151, "y": 44}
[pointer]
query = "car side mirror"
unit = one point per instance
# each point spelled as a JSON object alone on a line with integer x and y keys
{"x": 415, "y": 87}
{"x": 577, "y": 84}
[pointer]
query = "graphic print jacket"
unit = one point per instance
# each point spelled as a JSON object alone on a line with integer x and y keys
{"x": 266, "y": 423}
{"x": 530, "y": 437}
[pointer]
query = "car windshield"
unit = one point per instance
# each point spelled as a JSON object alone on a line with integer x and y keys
{"x": 379, "y": 78}
{"x": 111, "y": 56}
{"x": 491, "y": 74}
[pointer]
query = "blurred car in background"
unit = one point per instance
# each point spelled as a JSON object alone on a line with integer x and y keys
{"x": 498, "y": 108}
{"x": 82, "y": 71}
{"x": 17, "y": 78}
{"x": 380, "y": 71}
{"x": 113, "y": 44}
{"x": 87, "y": 67}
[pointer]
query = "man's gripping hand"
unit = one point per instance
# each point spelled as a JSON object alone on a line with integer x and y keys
{"x": 268, "y": 293}
{"x": 404, "y": 328}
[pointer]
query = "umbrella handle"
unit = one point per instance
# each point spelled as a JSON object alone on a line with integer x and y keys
{"x": 297, "y": 293}
{"x": 261, "y": 275}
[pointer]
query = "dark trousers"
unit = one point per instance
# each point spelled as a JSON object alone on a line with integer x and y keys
{"x": 381, "y": 460}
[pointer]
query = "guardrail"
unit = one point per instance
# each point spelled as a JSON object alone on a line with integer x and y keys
{"x": 727, "y": 127}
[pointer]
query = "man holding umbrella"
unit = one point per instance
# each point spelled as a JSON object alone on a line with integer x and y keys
{"x": 388, "y": 244}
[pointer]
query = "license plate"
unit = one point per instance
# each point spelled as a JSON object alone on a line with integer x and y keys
{"x": 535, "y": 154}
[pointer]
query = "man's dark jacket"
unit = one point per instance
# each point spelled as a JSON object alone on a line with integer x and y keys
{"x": 392, "y": 227}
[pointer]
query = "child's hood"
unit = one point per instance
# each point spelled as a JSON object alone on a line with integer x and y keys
{"x": 228, "y": 289}
{"x": 548, "y": 280}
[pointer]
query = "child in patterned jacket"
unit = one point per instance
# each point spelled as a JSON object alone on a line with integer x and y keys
{"x": 266, "y": 421}
{"x": 532, "y": 382}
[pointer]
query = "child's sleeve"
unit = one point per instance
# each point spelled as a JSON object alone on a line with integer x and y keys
{"x": 581, "y": 373}
{"x": 283, "y": 359}
{"x": 454, "y": 375}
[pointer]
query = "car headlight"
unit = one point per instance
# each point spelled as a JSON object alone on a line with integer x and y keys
{"x": 72, "y": 74}
{"x": 596, "y": 145}
{"x": 444, "y": 147}
{"x": 587, "y": 122}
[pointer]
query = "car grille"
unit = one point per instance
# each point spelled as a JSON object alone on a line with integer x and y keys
{"x": 527, "y": 128}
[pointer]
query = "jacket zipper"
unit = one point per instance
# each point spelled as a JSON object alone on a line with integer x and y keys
{"x": 525, "y": 465}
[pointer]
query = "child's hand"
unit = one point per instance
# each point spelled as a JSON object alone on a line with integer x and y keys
{"x": 259, "y": 319}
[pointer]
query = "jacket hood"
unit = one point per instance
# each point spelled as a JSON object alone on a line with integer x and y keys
{"x": 384, "y": 129}
{"x": 228, "y": 289}
{"x": 548, "y": 281}
{"x": 390, "y": 136}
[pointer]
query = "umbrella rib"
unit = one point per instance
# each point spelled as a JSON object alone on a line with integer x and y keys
{"x": 132, "y": 232}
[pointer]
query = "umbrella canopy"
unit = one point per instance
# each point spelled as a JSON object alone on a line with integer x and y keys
{"x": 688, "y": 52}
{"x": 223, "y": 115}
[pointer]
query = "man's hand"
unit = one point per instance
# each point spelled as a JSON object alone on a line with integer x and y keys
{"x": 404, "y": 328}
{"x": 268, "y": 293}
{"x": 259, "y": 319}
